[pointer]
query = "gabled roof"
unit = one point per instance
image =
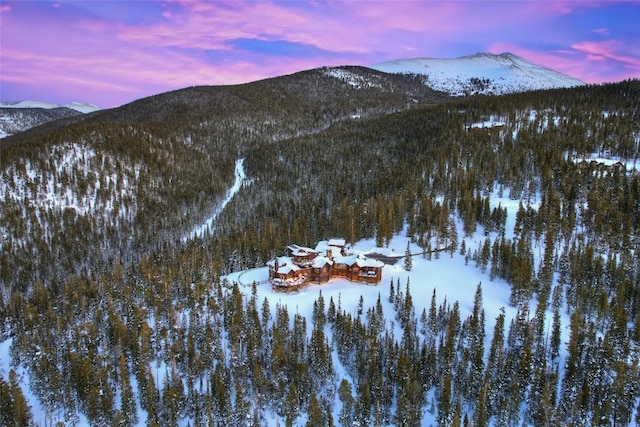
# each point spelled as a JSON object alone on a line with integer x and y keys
{"x": 337, "y": 242}
{"x": 323, "y": 246}
{"x": 281, "y": 260}
{"x": 288, "y": 268}
{"x": 360, "y": 260}
{"x": 368, "y": 262}
{"x": 321, "y": 261}
{"x": 301, "y": 250}
{"x": 347, "y": 260}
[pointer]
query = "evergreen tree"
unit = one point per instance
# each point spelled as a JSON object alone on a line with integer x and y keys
{"x": 346, "y": 397}
{"x": 408, "y": 258}
{"x": 127, "y": 398}
{"x": 314, "y": 413}
{"x": 445, "y": 415}
{"x": 13, "y": 405}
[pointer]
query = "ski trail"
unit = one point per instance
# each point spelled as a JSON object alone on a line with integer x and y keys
{"x": 208, "y": 225}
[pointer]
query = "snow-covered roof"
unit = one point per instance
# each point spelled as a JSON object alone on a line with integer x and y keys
{"x": 282, "y": 260}
{"x": 300, "y": 250}
{"x": 285, "y": 261}
{"x": 347, "y": 260}
{"x": 323, "y": 246}
{"x": 321, "y": 261}
{"x": 288, "y": 268}
{"x": 368, "y": 262}
{"x": 337, "y": 242}
{"x": 360, "y": 260}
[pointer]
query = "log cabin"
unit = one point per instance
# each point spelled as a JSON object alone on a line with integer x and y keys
{"x": 330, "y": 259}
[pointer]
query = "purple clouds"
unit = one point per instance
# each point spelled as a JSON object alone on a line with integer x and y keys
{"x": 112, "y": 52}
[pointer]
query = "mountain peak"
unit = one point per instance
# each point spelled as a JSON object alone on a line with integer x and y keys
{"x": 481, "y": 73}
{"x": 19, "y": 116}
{"x": 81, "y": 107}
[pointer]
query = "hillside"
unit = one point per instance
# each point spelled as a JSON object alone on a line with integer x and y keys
{"x": 131, "y": 180}
{"x": 16, "y": 117}
{"x": 16, "y": 120}
{"x": 118, "y": 313}
{"x": 482, "y": 73}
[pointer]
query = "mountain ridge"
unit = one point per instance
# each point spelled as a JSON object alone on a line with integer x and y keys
{"x": 481, "y": 73}
{"x": 107, "y": 296}
{"x": 18, "y": 116}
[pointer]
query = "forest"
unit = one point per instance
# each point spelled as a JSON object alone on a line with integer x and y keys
{"x": 100, "y": 288}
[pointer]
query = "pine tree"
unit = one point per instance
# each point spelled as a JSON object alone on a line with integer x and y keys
{"x": 457, "y": 415}
{"x": 151, "y": 404}
{"x": 444, "y": 401}
{"x": 6, "y": 402}
{"x": 314, "y": 413}
{"x": 433, "y": 316}
{"x": 266, "y": 314}
{"x": 14, "y": 410}
{"x": 291, "y": 404}
{"x": 477, "y": 344}
{"x": 408, "y": 258}
{"x": 480, "y": 415}
{"x": 495, "y": 367}
{"x": 127, "y": 399}
{"x": 331, "y": 311}
{"x": 392, "y": 293}
{"x": 346, "y": 397}
{"x": 555, "y": 335}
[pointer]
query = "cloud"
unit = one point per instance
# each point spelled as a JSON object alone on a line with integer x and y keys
{"x": 123, "y": 50}
{"x": 608, "y": 50}
{"x": 409, "y": 48}
{"x": 591, "y": 62}
{"x": 559, "y": 60}
{"x": 214, "y": 25}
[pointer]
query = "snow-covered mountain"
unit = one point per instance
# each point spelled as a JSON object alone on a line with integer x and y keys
{"x": 482, "y": 73}
{"x": 81, "y": 107}
{"x": 19, "y": 116}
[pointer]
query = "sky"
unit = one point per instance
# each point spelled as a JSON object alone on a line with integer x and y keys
{"x": 111, "y": 52}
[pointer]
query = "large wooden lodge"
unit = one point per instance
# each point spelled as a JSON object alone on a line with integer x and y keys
{"x": 328, "y": 260}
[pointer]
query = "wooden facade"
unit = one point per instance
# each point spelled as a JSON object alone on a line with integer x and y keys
{"x": 304, "y": 265}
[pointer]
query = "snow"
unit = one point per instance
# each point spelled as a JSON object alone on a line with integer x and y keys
{"x": 29, "y": 104}
{"x": 493, "y": 121}
{"x": 82, "y": 107}
{"x": 629, "y": 165}
{"x": 451, "y": 278}
{"x": 505, "y": 73}
{"x": 208, "y": 226}
{"x": 49, "y": 191}
{"x": 448, "y": 274}
{"x": 352, "y": 79}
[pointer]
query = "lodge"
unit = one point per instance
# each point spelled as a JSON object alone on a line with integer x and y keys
{"x": 330, "y": 259}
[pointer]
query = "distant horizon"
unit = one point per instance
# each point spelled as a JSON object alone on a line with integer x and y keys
{"x": 68, "y": 104}
{"x": 110, "y": 53}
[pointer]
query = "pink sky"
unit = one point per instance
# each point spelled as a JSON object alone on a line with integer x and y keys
{"x": 112, "y": 52}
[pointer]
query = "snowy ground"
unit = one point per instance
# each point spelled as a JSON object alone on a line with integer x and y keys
{"x": 448, "y": 274}
{"x": 629, "y": 165}
{"x": 207, "y": 226}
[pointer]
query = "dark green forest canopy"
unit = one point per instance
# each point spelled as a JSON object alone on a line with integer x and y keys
{"x": 323, "y": 158}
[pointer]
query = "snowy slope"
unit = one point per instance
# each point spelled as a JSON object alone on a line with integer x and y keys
{"x": 19, "y": 116}
{"x": 482, "y": 73}
{"x": 81, "y": 107}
